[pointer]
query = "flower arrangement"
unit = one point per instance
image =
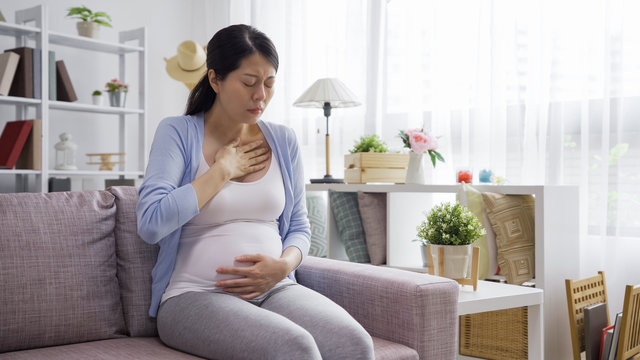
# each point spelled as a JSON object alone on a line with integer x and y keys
{"x": 421, "y": 142}
{"x": 116, "y": 85}
{"x": 448, "y": 224}
{"x": 371, "y": 143}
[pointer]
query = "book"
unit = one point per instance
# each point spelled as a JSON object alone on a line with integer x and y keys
{"x": 31, "y": 156}
{"x": 605, "y": 342}
{"x": 52, "y": 75}
{"x": 595, "y": 319}
{"x": 613, "y": 351}
{"x": 23, "y": 81}
{"x": 8, "y": 66}
{"x": 12, "y": 140}
{"x": 37, "y": 73}
{"x": 64, "y": 86}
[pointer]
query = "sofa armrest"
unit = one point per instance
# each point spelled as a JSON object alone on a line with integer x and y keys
{"x": 410, "y": 308}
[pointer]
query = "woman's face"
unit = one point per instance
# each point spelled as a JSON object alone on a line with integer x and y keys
{"x": 245, "y": 93}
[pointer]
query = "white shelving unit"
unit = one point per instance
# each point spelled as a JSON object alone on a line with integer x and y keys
{"x": 32, "y": 25}
{"x": 556, "y": 239}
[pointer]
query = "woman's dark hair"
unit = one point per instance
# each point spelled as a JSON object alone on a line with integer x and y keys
{"x": 226, "y": 49}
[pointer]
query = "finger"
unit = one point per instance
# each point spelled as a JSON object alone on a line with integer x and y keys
{"x": 250, "y": 146}
{"x": 257, "y": 152}
{"x": 240, "y": 290}
{"x": 249, "y": 258}
{"x": 253, "y": 295}
{"x": 234, "y": 270}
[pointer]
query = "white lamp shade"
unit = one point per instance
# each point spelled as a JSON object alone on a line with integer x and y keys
{"x": 330, "y": 90}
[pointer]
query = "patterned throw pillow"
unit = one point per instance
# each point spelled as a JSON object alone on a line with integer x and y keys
{"x": 317, "y": 207}
{"x": 344, "y": 206}
{"x": 373, "y": 212}
{"x": 512, "y": 218}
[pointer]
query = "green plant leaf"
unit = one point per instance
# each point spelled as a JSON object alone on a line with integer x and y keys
{"x": 371, "y": 143}
{"x": 102, "y": 22}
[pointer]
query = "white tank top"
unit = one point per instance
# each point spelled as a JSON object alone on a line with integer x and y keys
{"x": 240, "y": 219}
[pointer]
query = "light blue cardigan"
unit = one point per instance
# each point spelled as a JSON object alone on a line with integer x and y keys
{"x": 167, "y": 200}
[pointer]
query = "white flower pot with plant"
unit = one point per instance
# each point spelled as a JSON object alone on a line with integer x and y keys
{"x": 96, "y": 97}
{"x": 454, "y": 228}
{"x": 90, "y": 21}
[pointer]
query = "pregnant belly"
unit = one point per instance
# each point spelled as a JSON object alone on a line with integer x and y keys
{"x": 201, "y": 253}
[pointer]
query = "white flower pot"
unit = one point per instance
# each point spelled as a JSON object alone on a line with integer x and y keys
{"x": 97, "y": 100}
{"x": 117, "y": 98}
{"x": 456, "y": 260}
{"x": 88, "y": 28}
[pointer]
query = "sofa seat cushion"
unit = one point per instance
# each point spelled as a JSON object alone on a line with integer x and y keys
{"x": 58, "y": 281}
{"x": 113, "y": 349}
{"x": 392, "y": 351}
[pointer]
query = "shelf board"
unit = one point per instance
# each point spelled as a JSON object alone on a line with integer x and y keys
{"x": 17, "y": 30}
{"x": 81, "y": 42}
{"x": 16, "y": 100}
{"x": 95, "y": 173}
{"x": 19, "y": 172}
{"x": 432, "y": 188}
{"x": 63, "y": 105}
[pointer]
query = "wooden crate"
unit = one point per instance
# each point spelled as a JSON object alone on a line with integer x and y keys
{"x": 361, "y": 168}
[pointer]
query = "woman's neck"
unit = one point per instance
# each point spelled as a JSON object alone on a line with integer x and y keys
{"x": 224, "y": 129}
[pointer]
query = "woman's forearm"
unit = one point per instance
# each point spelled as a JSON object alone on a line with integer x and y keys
{"x": 292, "y": 256}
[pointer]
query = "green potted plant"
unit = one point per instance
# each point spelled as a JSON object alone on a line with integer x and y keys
{"x": 454, "y": 228}
{"x": 90, "y": 21}
{"x": 96, "y": 97}
{"x": 370, "y": 161}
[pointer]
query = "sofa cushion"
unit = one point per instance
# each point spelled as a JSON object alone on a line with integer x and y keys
{"x": 373, "y": 212}
{"x": 135, "y": 262}
{"x": 58, "y": 280}
{"x": 512, "y": 219}
{"x": 344, "y": 206}
{"x": 114, "y": 349}
{"x": 387, "y": 350}
{"x": 317, "y": 209}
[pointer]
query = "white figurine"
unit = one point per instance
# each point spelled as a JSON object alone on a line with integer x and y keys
{"x": 66, "y": 153}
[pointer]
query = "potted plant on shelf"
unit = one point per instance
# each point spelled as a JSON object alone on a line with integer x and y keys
{"x": 370, "y": 161}
{"x": 96, "y": 97}
{"x": 117, "y": 92}
{"x": 90, "y": 21}
{"x": 454, "y": 228}
{"x": 419, "y": 142}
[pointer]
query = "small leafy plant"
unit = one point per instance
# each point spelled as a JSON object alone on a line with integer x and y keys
{"x": 96, "y": 93}
{"x": 371, "y": 143}
{"x": 85, "y": 14}
{"x": 448, "y": 224}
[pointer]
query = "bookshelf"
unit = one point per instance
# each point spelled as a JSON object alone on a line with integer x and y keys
{"x": 557, "y": 245}
{"x": 32, "y": 29}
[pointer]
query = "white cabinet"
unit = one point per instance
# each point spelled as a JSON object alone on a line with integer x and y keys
{"x": 31, "y": 29}
{"x": 557, "y": 234}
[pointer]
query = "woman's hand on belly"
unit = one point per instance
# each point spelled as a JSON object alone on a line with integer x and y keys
{"x": 256, "y": 279}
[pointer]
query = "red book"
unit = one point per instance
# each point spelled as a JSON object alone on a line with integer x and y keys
{"x": 604, "y": 332}
{"x": 12, "y": 141}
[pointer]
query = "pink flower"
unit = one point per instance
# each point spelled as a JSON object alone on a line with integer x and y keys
{"x": 421, "y": 142}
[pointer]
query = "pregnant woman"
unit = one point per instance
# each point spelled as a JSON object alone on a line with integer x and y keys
{"x": 223, "y": 196}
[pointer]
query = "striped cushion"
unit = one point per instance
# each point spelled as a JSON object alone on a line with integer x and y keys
{"x": 344, "y": 206}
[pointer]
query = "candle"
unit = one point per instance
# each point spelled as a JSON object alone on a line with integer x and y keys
{"x": 485, "y": 175}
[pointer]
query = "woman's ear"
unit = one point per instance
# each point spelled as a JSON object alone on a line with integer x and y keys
{"x": 213, "y": 80}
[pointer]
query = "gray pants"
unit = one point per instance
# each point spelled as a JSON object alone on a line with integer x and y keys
{"x": 288, "y": 322}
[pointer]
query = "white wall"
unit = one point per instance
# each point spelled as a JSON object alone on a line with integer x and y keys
{"x": 168, "y": 22}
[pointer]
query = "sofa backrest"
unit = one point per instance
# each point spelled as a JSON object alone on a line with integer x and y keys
{"x": 58, "y": 282}
{"x": 135, "y": 262}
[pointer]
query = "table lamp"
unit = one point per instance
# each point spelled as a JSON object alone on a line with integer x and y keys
{"x": 327, "y": 93}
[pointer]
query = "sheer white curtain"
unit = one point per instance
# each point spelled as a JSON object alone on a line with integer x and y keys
{"x": 542, "y": 92}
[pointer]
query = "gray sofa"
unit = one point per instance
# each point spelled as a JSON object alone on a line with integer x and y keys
{"x": 75, "y": 284}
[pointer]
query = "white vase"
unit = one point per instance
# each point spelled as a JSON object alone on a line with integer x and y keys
{"x": 456, "y": 260}
{"x": 88, "y": 28}
{"x": 415, "y": 169}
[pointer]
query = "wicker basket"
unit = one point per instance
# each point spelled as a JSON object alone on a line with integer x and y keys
{"x": 497, "y": 335}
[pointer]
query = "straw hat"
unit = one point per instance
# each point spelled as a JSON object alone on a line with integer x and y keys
{"x": 190, "y": 63}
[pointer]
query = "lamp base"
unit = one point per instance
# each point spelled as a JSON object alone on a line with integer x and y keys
{"x": 327, "y": 179}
